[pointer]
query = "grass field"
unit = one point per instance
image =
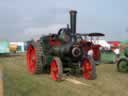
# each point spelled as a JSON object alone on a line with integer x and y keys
{"x": 18, "y": 82}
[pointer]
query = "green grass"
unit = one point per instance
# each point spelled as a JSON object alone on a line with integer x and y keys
{"x": 18, "y": 82}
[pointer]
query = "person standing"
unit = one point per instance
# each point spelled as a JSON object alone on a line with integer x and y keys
{"x": 116, "y": 52}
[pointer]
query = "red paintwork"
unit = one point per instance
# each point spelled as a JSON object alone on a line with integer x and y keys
{"x": 54, "y": 42}
{"x": 86, "y": 69}
{"x": 95, "y": 48}
{"x": 54, "y": 70}
{"x": 96, "y": 52}
{"x": 85, "y": 46}
{"x": 31, "y": 59}
{"x": 114, "y": 43}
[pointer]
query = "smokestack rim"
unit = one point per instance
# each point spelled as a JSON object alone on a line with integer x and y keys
{"x": 72, "y": 11}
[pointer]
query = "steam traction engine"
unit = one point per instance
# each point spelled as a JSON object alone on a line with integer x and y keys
{"x": 57, "y": 53}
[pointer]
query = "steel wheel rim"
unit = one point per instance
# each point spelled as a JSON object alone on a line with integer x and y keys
{"x": 31, "y": 59}
{"x": 54, "y": 70}
{"x": 86, "y": 69}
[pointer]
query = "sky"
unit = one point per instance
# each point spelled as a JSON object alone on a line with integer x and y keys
{"x": 22, "y": 20}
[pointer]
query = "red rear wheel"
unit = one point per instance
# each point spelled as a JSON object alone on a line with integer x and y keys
{"x": 88, "y": 69}
{"x": 34, "y": 58}
{"x": 31, "y": 59}
{"x": 56, "y": 69}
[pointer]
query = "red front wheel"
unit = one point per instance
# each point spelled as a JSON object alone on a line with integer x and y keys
{"x": 88, "y": 69}
{"x": 56, "y": 69}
